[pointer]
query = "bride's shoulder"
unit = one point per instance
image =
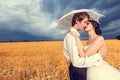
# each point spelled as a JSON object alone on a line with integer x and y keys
{"x": 100, "y": 38}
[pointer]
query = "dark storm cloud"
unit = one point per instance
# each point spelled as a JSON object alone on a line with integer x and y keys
{"x": 107, "y": 4}
{"x": 64, "y": 6}
{"x": 37, "y": 17}
{"x": 110, "y": 8}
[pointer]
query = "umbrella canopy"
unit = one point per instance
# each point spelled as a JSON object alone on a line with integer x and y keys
{"x": 65, "y": 21}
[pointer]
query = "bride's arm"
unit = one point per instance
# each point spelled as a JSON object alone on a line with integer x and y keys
{"x": 98, "y": 46}
{"x": 93, "y": 48}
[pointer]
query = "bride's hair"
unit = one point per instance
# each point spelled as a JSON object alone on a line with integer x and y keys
{"x": 96, "y": 27}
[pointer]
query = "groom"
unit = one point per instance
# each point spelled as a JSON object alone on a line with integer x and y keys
{"x": 78, "y": 66}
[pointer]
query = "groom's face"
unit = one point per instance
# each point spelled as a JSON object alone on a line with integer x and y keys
{"x": 82, "y": 24}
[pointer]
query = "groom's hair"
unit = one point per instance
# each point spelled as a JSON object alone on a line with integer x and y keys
{"x": 79, "y": 16}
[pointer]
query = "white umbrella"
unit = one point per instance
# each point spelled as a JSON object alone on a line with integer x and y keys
{"x": 65, "y": 21}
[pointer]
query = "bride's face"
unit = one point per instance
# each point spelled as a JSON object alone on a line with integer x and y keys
{"x": 89, "y": 27}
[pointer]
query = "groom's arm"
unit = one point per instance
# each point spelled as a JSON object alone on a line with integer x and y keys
{"x": 79, "y": 61}
{"x": 94, "y": 60}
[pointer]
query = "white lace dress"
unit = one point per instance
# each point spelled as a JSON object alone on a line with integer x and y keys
{"x": 103, "y": 72}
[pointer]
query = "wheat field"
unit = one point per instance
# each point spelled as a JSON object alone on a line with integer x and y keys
{"x": 42, "y": 60}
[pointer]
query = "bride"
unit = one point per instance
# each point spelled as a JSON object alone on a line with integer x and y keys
{"x": 96, "y": 44}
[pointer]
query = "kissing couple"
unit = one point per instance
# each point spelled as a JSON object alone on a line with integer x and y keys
{"x": 86, "y": 63}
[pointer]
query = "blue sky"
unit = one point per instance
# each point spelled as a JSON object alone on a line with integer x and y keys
{"x": 34, "y": 19}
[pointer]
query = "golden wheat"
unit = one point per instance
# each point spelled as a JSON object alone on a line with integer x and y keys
{"x": 42, "y": 60}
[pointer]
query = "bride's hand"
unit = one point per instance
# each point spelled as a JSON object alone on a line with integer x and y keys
{"x": 73, "y": 33}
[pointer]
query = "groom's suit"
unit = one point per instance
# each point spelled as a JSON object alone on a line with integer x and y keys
{"x": 78, "y": 66}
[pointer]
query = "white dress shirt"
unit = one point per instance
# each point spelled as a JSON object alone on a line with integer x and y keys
{"x": 71, "y": 53}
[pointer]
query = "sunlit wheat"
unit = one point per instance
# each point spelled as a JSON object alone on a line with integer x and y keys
{"x": 42, "y": 60}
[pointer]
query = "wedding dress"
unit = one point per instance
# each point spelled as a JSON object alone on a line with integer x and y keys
{"x": 104, "y": 71}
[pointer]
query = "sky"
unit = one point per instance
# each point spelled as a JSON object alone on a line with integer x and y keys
{"x": 35, "y": 19}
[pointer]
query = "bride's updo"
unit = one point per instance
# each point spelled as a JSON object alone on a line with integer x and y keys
{"x": 96, "y": 27}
